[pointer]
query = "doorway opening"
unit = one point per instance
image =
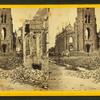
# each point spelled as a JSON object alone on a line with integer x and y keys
{"x": 88, "y": 48}
{"x": 70, "y": 47}
{"x": 4, "y": 46}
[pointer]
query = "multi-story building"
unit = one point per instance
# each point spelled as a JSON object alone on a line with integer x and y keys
{"x": 6, "y": 31}
{"x": 86, "y": 30}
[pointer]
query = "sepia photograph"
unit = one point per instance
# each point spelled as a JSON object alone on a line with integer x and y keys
{"x": 49, "y": 49}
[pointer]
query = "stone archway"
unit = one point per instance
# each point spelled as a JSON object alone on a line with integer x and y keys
{"x": 3, "y": 33}
{"x": 71, "y": 47}
{"x": 71, "y": 43}
{"x": 87, "y": 34}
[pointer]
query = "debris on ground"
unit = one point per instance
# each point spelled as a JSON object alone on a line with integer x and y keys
{"x": 12, "y": 67}
{"x": 83, "y": 67}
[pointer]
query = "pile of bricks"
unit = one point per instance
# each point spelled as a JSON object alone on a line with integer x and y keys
{"x": 30, "y": 76}
{"x": 11, "y": 67}
{"x": 86, "y": 74}
{"x": 84, "y": 62}
{"x": 10, "y": 62}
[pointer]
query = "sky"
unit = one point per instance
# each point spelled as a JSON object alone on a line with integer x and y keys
{"x": 20, "y": 14}
{"x": 59, "y": 17}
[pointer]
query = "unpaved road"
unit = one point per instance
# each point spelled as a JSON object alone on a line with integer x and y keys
{"x": 60, "y": 79}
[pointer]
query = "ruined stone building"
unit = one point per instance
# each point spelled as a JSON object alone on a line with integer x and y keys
{"x": 35, "y": 37}
{"x": 86, "y": 30}
{"x": 84, "y": 37}
{"x": 65, "y": 40}
{"x": 6, "y": 30}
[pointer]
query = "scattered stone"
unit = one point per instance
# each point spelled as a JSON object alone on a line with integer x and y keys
{"x": 12, "y": 67}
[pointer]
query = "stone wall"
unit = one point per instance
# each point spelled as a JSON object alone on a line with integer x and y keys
{"x": 6, "y": 31}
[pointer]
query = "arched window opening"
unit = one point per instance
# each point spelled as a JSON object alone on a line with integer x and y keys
{"x": 87, "y": 34}
{"x": 70, "y": 39}
{"x": 2, "y": 18}
{"x": 3, "y": 32}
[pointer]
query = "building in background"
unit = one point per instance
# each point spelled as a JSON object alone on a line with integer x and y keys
{"x": 6, "y": 31}
{"x": 65, "y": 40}
{"x": 86, "y": 30}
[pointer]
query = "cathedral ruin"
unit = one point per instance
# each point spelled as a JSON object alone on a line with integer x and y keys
{"x": 83, "y": 37}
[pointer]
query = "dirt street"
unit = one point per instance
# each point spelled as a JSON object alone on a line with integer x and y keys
{"x": 62, "y": 79}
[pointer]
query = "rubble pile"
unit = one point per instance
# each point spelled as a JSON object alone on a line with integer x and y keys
{"x": 10, "y": 62}
{"x": 84, "y": 62}
{"x": 86, "y": 74}
{"x": 27, "y": 75}
{"x": 14, "y": 62}
{"x": 11, "y": 67}
{"x": 4, "y": 74}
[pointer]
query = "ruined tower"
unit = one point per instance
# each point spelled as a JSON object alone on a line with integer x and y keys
{"x": 86, "y": 30}
{"x": 6, "y": 31}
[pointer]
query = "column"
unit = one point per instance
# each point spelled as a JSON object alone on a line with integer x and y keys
{"x": 38, "y": 47}
{"x": 24, "y": 47}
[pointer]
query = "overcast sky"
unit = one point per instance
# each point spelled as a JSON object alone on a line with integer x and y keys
{"x": 58, "y": 17}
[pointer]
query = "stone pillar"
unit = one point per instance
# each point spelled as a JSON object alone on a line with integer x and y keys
{"x": 31, "y": 46}
{"x": 47, "y": 45}
{"x": 24, "y": 47}
{"x": 38, "y": 47}
{"x": 41, "y": 43}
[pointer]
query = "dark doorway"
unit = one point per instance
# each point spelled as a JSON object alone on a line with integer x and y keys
{"x": 70, "y": 47}
{"x": 4, "y": 46}
{"x": 88, "y": 48}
